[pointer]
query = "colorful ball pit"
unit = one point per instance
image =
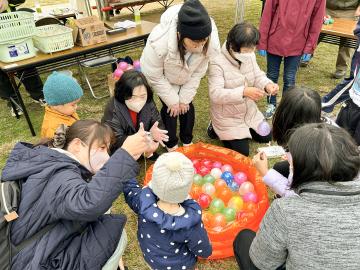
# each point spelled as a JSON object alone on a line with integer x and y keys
{"x": 225, "y": 211}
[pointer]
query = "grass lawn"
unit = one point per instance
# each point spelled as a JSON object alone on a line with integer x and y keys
{"x": 316, "y": 76}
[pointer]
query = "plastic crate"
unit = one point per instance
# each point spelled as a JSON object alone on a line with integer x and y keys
{"x": 16, "y": 50}
{"x": 53, "y": 38}
{"x": 16, "y": 25}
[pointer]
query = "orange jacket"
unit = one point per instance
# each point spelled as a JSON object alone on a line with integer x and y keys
{"x": 52, "y": 119}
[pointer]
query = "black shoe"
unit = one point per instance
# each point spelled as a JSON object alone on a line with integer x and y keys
{"x": 211, "y": 132}
{"x": 17, "y": 108}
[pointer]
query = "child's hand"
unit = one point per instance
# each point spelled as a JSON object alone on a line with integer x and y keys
{"x": 272, "y": 88}
{"x": 253, "y": 93}
{"x": 173, "y": 110}
{"x": 159, "y": 135}
{"x": 261, "y": 163}
{"x": 137, "y": 144}
{"x": 184, "y": 108}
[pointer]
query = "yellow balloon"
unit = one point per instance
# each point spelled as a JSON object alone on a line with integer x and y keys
{"x": 236, "y": 202}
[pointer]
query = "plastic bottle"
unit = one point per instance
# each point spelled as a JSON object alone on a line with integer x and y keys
{"x": 137, "y": 15}
{"x": 38, "y": 6}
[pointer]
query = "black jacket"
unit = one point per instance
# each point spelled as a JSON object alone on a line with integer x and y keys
{"x": 117, "y": 116}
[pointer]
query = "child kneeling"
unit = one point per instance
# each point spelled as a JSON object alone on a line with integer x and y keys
{"x": 236, "y": 83}
{"x": 170, "y": 230}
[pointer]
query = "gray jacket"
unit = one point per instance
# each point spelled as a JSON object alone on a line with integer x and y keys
{"x": 311, "y": 231}
{"x": 342, "y": 4}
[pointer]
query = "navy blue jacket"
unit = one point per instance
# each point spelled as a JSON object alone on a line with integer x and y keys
{"x": 167, "y": 242}
{"x": 57, "y": 189}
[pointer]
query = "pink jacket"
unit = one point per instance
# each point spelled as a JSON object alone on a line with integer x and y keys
{"x": 231, "y": 113}
{"x": 291, "y": 27}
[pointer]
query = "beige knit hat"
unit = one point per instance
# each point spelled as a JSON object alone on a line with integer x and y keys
{"x": 172, "y": 177}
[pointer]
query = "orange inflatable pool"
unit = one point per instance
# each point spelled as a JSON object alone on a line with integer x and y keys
{"x": 222, "y": 241}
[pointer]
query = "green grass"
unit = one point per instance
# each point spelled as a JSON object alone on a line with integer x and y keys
{"x": 316, "y": 76}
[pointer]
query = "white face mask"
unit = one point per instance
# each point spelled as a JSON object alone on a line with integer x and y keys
{"x": 244, "y": 57}
{"x": 135, "y": 105}
{"x": 198, "y": 49}
{"x": 97, "y": 160}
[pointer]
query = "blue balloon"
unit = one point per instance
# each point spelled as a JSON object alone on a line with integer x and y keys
{"x": 228, "y": 177}
{"x": 234, "y": 186}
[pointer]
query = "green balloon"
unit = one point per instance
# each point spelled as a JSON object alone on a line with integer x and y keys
{"x": 209, "y": 179}
{"x": 198, "y": 180}
{"x": 217, "y": 206}
{"x": 229, "y": 214}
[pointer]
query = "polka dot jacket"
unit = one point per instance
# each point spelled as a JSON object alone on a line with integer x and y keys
{"x": 167, "y": 242}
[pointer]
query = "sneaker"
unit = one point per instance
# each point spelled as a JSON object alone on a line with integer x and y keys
{"x": 211, "y": 132}
{"x": 18, "y": 110}
{"x": 187, "y": 144}
{"x": 270, "y": 110}
{"x": 304, "y": 64}
{"x": 172, "y": 149}
{"x": 40, "y": 101}
{"x": 339, "y": 74}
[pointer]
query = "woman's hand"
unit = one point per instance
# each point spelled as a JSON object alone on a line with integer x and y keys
{"x": 184, "y": 108}
{"x": 254, "y": 93}
{"x": 173, "y": 110}
{"x": 4, "y": 4}
{"x": 272, "y": 88}
{"x": 261, "y": 163}
{"x": 159, "y": 135}
{"x": 137, "y": 144}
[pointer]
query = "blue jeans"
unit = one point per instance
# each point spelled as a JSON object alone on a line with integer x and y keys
{"x": 291, "y": 64}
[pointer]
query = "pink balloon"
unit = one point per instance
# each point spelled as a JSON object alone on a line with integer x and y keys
{"x": 240, "y": 178}
{"x": 217, "y": 164}
{"x": 123, "y": 65}
{"x": 246, "y": 187}
{"x": 263, "y": 129}
{"x": 136, "y": 64}
{"x": 250, "y": 197}
{"x": 226, "y": 168}
{"x": 118, "y": 73}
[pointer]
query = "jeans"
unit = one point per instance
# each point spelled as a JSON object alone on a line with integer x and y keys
{"x": 291, "y": 64}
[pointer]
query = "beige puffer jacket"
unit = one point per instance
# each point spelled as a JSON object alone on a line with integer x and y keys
{"x": 173, "y": 81}
{"x": 231, "y": 113}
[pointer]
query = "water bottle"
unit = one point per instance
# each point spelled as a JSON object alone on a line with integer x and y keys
{"x": 137, "y": 15}
{"x": 38, "y": 6}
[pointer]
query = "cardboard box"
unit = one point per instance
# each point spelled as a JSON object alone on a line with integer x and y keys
{"x": 89, "y": 31}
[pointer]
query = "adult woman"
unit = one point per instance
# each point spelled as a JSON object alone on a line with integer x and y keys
{"x": 65, "y": 186}
{"x": 317, "y": 227}
{"x": 175, "y": 59}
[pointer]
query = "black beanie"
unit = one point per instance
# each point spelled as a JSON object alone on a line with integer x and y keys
{"x": 194, "y": 21}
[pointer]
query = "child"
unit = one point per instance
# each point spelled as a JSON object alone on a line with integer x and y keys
{"x": 170, "y": 230}
{"x": 235, "y": 84}
{"x": 62, "y": 93}
{"x": 133, "y": 104}
{"x": 288, "y": 30}
{"x": 349, "y": 115}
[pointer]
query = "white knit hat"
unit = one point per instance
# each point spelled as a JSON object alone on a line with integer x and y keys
{"x": 172, "y": 177}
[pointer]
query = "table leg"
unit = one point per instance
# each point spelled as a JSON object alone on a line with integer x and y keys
{"x": 22, "y": 105}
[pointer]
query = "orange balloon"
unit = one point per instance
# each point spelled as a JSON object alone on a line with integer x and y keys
{"x": 219, "y": 184}
{"x": 195, "y": 192}
{"x": 206, "y": 218}
{"x": 218, "y": 220}
{"x": 225, "y": 194}
{"x": 250, "y": 206}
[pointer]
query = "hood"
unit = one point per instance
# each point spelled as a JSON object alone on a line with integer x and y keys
{"x": 226, "y": 53}
{"x": 170, "y": 14}
{"x": 25, "y": 160}
{"x": 150, "y": 211}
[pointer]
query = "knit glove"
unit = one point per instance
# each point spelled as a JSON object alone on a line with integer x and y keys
{"x": 306, "y": 57}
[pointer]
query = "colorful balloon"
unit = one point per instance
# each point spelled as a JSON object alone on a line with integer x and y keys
{"x": 207, "y": 163}
{"x": 136, "y": 64}
{"x": 208, "y": 188}
{"x": 195, "y": 192}
{"x": 216, "y": 206}
{"x": 198, "y": 180}
{"x": 204, "y": 200}
{"x": 217, "y": 164}
{"x": 224, "y": 194}
{"x": 219, "y": 184}
{"x": 204, "y": 171}
{"x": 123, "y": 65}
{"x": 226, "y": 168}
{"x": 218, "y": 221}
{"x": 234, "y": 186}
{"x": 228, "y": 177}
{"x": 209, "y": 179}
{"x": 118, "y": 73}
{"x": 240, "y": 178}
{"x": 236, "y": 202}
{"x": 229, "y": 214}
{"x": 216, "y": 172}
{"x": 195, "y": 162}
{"x": 246, "y": 187}
{"x": 263, "y": 129}
{"x": 250, "y": 197}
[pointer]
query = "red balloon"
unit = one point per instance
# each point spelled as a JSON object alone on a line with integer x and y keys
{"x": 204, "y": 171}
{"x": 195, "y": 192}
{"x": 225, "y": 194}
{"x": 195, "y": 162}
{"x": 204, "y": 200}
{"x": 207, "y": 163}
{"x": 218, "y": 220}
